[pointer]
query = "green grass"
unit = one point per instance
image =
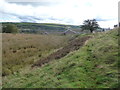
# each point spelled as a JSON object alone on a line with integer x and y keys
{"x": 92, "y": 66}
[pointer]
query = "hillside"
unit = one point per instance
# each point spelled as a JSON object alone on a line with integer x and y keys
{"x": 25, "y": 27}
{"x": 94, "y": 65}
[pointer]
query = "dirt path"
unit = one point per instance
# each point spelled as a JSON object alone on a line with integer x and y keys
{"x": 72, "y": 46}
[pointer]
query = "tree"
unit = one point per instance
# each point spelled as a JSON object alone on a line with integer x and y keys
{"x": 90, "y": 25}
{"x": 10, "y": 28}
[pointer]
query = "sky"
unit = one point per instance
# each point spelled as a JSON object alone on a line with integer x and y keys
{"x": 72, "y": 12}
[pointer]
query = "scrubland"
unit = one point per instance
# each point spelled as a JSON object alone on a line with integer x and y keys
{"x": 20, "y": 50}
{"x": 94, "y": 65}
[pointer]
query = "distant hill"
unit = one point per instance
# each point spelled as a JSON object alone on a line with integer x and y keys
{"x": 26, "y": 27}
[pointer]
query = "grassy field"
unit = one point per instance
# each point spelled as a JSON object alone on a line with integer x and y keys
{"x": 95, "y": 65}
{"x": 20, "y": 50}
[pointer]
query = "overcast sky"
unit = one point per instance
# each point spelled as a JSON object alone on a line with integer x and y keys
{"x": 72, "y": 12}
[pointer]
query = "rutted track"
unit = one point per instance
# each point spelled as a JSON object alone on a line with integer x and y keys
{"x": 72, "y": 46}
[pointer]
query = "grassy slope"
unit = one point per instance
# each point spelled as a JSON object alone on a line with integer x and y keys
{"x": 92, "y": 66}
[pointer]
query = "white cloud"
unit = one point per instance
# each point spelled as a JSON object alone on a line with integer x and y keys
{"x": 63, "y": 11}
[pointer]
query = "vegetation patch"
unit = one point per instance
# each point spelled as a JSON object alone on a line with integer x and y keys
{"x": 20, "y": 50}
{"x": 72, "y": 46}
{"x": 95, "y": 65}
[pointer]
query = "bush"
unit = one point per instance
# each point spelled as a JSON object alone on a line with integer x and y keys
{"x": 5, "y": 72}
{"x": 10, "y": 28}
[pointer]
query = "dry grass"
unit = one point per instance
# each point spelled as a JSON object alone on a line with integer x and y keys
{"x": 24, "y": 49}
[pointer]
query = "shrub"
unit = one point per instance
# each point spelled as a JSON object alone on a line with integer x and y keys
{"x": 5, "y": 72}
{"x": 10, "y": 28}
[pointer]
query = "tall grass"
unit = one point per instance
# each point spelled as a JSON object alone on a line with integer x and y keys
{"x": 20, "y": 50}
